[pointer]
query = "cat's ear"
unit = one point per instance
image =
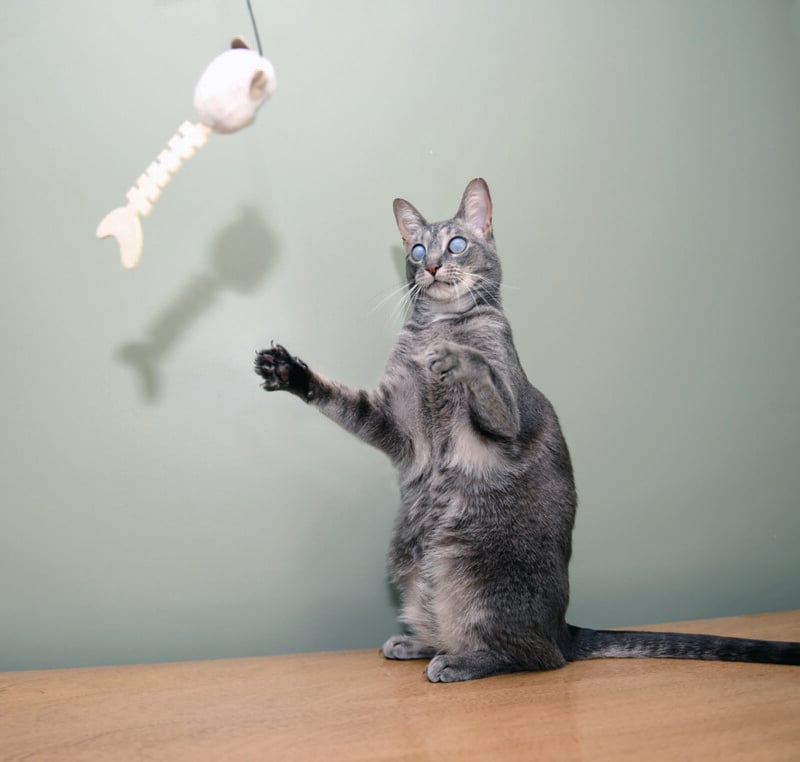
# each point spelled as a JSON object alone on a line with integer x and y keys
{"x": 409, "y": 220}
{"x": 476, "y": 207}
{"x": 239, "y": 43}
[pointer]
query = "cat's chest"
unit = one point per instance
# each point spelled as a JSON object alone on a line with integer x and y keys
{"x": 436, "y": 405}
{"x": 436, "y": 415}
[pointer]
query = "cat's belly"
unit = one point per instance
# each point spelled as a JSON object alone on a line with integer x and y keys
{"x": 442, "y": 602}
{"x": 441, "y": 608}
{"x": 450, "y": 481}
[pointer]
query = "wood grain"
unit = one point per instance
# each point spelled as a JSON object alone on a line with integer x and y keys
{"x": 357, "y": 706}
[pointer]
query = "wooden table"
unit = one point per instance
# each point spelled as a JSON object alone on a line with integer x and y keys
{"x": 357, "y": 706}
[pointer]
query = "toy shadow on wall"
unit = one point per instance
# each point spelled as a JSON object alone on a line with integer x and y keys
{"x": 242, "y": 254}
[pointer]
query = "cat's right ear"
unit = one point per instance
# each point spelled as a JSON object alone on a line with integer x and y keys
{"x": 476, "y": 207}
{"x": 409, "y": 220}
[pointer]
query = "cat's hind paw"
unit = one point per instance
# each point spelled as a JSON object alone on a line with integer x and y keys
{"x": 453, "y": 668}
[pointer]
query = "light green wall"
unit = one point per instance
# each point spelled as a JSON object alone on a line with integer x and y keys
{"x": 645, "y": 165}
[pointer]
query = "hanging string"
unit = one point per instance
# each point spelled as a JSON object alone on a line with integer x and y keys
{"x": 255, "y": 28}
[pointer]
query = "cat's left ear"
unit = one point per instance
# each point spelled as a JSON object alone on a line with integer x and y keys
{"x": 476, "y": 207}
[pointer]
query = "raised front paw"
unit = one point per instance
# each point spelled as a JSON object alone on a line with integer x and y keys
{"x": 446, "y": 361}
{"x": 280, "y": 370}
{"x": 274, "y": 365}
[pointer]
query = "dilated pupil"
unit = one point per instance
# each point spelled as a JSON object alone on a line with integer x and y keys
{"x": 418, "y": 251}
{"x": 457, "y": 245}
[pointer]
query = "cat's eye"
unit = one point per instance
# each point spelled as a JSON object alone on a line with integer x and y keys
{"x": 418, "y": 252}
{"x": 457, "y": 245}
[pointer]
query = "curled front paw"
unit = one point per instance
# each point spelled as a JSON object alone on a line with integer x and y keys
{"x": 280, "y": 370}
{"x": 445, "y": 360}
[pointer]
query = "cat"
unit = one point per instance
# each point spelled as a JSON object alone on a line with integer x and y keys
{"x": 482, "y": 542}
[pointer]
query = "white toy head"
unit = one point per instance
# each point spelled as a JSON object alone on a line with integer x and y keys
{"x": 233, "y": 87}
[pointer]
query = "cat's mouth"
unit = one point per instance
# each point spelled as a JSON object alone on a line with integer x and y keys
{"x": 441, "y": 288}
{"x": 441, "y": 283}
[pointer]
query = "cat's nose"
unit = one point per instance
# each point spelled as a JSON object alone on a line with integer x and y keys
{"x": 432, "y": 269}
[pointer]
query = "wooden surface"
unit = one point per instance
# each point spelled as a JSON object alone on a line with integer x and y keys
{"x": 357, "y": 706}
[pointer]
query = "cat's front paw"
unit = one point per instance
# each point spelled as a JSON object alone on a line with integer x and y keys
{"x": 280, "y": 370}
{"x": 407, "y": 647}
{"x": 446, "y": 361}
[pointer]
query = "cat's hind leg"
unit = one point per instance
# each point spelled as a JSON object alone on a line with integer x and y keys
{"x": 407, "y": 647}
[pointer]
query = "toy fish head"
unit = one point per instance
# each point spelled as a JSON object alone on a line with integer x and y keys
{"x": 233, "y": 87}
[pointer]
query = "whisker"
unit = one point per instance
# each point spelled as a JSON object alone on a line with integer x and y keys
{"x": 493, "y": 282}
{"x": 482, "y": 292}
{"x": 406, "y": 303}
{"x": 477, "y": 284}
{"x": 474, "y": 300}
{"x": 393, "y": 293}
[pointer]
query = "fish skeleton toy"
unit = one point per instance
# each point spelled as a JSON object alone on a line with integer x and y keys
{"x": 227, "y": 96}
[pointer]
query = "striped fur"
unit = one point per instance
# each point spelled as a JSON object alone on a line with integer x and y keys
{"x": 482, "y": 542}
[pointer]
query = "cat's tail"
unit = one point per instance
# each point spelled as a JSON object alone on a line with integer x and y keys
{"x": 599, "y": 644}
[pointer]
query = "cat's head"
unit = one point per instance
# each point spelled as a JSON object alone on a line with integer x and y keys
{"x": 452, "y": 266}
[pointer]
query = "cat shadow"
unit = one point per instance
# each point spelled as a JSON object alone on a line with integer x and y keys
{"x": 242, "y": 253}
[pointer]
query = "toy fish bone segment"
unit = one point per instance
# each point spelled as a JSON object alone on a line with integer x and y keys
{"x": 227, "y": 96}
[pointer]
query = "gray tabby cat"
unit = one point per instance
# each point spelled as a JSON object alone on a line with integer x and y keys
{"x": 483, "y": 539}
